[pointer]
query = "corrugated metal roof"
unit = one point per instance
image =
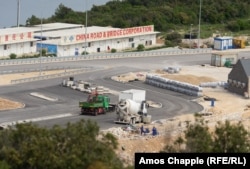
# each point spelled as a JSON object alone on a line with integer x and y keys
{"x": 15, "y": 30}
{"x": 37, "y": 28}
{"x": 223, "y": 38}
{"x": 55, "y": 26}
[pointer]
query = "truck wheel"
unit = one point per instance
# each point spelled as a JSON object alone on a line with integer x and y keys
{"x": 96, "y": 112}
{"x": 82, "y": 111}
{"x": 141, "y": 120}
{"x": 132, "y": 121}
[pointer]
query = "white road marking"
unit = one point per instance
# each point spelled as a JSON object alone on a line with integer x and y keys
{"x": 6, "y": 124}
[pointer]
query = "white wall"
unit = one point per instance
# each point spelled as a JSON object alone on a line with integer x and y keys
{"x": 19, "y": 49}
{"x": 118, "y": 44}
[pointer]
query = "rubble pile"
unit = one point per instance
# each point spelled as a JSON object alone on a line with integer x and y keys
{"x": 118, "y": 132}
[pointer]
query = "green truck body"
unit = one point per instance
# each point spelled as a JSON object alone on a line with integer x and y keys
{"x": 96, "y": 104}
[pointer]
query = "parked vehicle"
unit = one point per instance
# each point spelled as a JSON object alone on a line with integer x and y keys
{"x": 68, "y": 82}
{"x": 132, "y": 107}
{"x": 96, "y": 104}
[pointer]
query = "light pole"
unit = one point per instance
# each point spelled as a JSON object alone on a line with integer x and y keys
{"x": 18, "y": 12}
{"x": 86, "y": 24}
{"x": 41, "y": 46}
{"x": 199, "y": 33}
{"x": 190, "y": 35}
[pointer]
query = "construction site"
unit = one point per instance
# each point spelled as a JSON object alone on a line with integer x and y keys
{"x": 203, "y": 81}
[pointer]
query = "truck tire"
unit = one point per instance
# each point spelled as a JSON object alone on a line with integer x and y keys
{"x": 95, "y": 112}
{"x": 132, "y": 121}
{"x": 82, "y": 111}
{"x": 141, "y": 120}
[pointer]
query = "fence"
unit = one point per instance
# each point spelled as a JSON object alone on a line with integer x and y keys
{"x": 104, "y": 56}
{"x": 86, "y": 57}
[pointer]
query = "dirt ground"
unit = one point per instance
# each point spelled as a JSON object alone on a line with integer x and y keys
{"x": 227, "y": 106}
{"x": 6, "y": 78}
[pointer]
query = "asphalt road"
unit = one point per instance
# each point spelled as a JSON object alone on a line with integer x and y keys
{"x": 67, "y": 103}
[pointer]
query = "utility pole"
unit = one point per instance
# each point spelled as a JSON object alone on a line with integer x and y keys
{"x": 86, "y": 24}
{"x": 199, "y": 33}
{"x": 41, "y": 46}
{"x": 190, "y": 36}
{"x": 18, "y": 12}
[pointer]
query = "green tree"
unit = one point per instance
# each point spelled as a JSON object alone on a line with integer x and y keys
{"x": 198, "y": 138}
{"x": 77, "y": 145}
{"x": 226, "y": 138}
{"x": 62, "y": 11}
{"x": 173, "y": 39}
{"x": 230, "y": 138}
{"x": 4, "y": 165}
{"x": 161, "y": 13}
{"x": 33, "y": 20}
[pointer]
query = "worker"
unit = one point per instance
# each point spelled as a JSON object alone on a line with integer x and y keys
{"x": 154, "y": 131}
{"x": 142, "y": 130}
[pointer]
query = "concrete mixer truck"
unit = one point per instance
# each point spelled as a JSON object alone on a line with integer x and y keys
{"x": 132, "y": 107}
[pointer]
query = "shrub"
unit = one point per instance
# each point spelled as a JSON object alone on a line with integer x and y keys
{"x": 113, "y": 50}
{"x": 83, "y": 53}
{"x": 140, "y": 47}
{"x": 13, "y": 56}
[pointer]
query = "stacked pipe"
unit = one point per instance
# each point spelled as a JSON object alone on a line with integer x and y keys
{"x": 213, "y": 84}
{"x": 173, "y": 85}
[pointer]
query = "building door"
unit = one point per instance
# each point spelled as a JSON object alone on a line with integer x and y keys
{"x": 98, "y": 50}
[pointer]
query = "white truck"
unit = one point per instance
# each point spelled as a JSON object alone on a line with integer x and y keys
{"x": 82, "y": 86}
{"x": 132, "y": 107}
{"x": 68, "y": 82}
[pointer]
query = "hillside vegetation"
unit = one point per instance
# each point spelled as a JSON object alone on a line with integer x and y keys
{"x": 165, "y": 15}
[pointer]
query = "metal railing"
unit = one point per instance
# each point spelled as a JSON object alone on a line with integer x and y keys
{"x": 104, "y": 56}
{"x": 68, "y": 73}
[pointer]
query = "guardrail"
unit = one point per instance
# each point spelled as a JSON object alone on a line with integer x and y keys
{"x": 104, "y": 56}
{"x": 66, "y": 68}
{"x": 69, "y": 73}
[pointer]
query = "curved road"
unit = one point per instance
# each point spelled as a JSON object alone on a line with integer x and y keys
{"x": 67, "y": 103}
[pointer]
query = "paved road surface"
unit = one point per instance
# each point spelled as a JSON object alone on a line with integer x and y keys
{"x": 67, "y": 104}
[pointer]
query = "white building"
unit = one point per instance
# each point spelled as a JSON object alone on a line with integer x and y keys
{"x": 223, "y": 43}
{"x": 16, "y": 40}
{"x": 63, "y": 39}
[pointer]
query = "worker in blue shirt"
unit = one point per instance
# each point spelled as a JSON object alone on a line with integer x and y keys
{"x": 154, "y": 131}
{"x": 142, "y": 130}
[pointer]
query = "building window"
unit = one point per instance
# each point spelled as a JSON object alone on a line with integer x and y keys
{"x": 5, "y": 47}
{"x": 130, "y": 39}
{"x": 148, "y": 42}
{"x": 89, "y": 44}
{"x": 31, "y": 44}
